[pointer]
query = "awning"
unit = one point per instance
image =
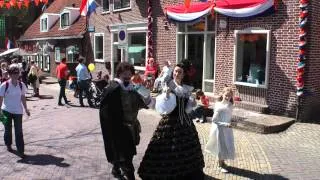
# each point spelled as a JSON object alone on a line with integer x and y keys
{"x": 232, "y": 8}
{"x": 9, "y": 51}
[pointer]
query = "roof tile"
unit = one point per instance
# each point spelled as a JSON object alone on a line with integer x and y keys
{"x": 76, "y": 29}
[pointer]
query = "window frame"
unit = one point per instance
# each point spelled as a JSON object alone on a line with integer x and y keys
{"x": 41, "y": 24}
{"x": 268, "y": 53}
{"x": 103, "y": 10}
{"x": 57, "y": 57}
{"x": 69, "y": 19}
{"x": 66, "y": 54}
{"x": 206, "y": 32}
{"x": 121, "y": 9}
{"x": 94, "y": 47}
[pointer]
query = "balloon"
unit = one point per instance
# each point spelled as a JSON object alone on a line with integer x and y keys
{"x": 91, "y": 67}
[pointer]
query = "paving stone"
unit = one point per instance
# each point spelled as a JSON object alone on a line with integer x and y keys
{"x": 64, "y": 142}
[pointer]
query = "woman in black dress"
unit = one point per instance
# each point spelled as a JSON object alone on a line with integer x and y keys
{"x": 174, "y": 151}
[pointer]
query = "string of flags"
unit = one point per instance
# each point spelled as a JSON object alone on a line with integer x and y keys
{"x": 20, "y": 3}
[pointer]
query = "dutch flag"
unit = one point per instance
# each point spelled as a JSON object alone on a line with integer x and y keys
{"x": 87, "y": 7}
{"x": 9, "y": 44}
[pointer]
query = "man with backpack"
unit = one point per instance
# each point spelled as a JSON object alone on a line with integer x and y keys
{"x": 12, "y": 101}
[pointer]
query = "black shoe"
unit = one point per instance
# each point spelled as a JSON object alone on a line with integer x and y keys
{"x": 9, "y": 148}
{"x": 60, "y": 104}
{"x": 116, "y": 172}
{"x": 81, "y": 105}
{"x": 21, "y": 155}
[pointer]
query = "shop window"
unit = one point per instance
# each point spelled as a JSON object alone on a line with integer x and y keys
{"x": 121, "y": 4}
{"x": 252, "y": 57}
{"x": 137, "y": 49}
{"x": 98, "y": 47}
{"x": 106, "y": 5}
{"x": 44, "y": 25}
{"x": 57, "y": 54}
{"x": 64, "y": 20}
{"x": 136, "y": 52}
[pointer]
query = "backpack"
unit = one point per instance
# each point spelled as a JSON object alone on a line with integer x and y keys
{"x": 7, "y": 86}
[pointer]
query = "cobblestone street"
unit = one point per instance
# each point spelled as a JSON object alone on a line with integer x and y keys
{"x": 65, "y": 142}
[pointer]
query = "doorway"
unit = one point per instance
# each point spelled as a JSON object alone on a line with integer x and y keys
{"x": 195, "y": 56}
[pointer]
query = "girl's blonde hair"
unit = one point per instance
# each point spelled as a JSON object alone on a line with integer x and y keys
{"x": 224, "y": 91}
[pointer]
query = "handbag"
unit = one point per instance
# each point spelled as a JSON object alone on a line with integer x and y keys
{"x": 32, "y": 78}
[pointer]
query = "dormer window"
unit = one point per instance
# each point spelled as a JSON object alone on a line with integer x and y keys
{"x": 44, "y": 25}
{"x": 65, "y": 20}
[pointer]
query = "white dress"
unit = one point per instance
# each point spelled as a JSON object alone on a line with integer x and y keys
{"x": 221, "y": 140}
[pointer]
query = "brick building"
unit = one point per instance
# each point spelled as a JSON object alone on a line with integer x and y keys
{"x": 59, "y": 32}
{"x": 255, "y": 53}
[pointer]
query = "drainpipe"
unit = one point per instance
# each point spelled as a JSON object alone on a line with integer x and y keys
{"x": 150, "y": 21}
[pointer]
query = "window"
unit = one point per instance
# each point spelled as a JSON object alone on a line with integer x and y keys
{"x": 70, "y": 53}
{"x": 44, "y": 24}
{"x": 57, "y": 54}
{"x": 136, "y": 51}
{"x": 121, "y": 4}
{"x": 98, "y": 47}
{"x": 64, "y": 20}
{"x": 105, "y": 5}
{"x": 252, "y": 57}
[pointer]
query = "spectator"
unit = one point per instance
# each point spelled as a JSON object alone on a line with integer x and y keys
{"x": 62, "y": 75}
{"x": 24, "y": 73}
{"x": 4, "y": 72}
{"x": 12, "y": 101}
{"x": 201, "y": 111}
{"x": 84, "y": 80}
{"x": 33, "y": 78}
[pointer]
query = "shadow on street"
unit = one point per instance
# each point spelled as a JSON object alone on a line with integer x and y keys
{"x": 43, "y": 160}
{"x": 253, "y": 175}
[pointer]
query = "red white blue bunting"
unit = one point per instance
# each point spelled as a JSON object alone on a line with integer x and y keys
{"x": 243, "y": 8}
{"x": 195, "y": 11}
{"x": 232, "y": 8}
{"x": 302, "y": 46}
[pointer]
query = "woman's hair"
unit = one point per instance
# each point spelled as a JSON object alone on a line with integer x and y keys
{"x": 13, "y": 68}
{"x": 185, "y": 66}
{"x": 226, "y": 90}
{"x": 124, "y": 66}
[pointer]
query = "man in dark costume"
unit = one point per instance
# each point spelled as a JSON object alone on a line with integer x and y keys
{"x": 119, "y": 124}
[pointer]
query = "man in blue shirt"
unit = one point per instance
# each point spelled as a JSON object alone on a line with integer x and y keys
{"x": 84, "y": 80}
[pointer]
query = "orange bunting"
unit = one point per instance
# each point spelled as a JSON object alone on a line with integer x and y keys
{"x": 36, "y": 2}
{"x": 19, "y": 4}
{"x": 187, "y": 3}
{"x": 1, "y": 4}
{"x": 45, "y": 1}
{"x": 26, "y": 3}
{"x": 8, "y": 5}
{"x": 13, "y": 2}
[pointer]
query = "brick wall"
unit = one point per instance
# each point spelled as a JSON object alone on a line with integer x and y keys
{"x": 102, "y": 21}
{"x": 310, "y": 105}
{"x": 280, "y": 95}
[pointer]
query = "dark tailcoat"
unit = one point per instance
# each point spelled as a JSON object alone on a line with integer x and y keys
{"x": 119, "y": 139}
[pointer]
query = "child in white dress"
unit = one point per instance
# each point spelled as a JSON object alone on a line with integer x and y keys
{"x": 221, "y": 140}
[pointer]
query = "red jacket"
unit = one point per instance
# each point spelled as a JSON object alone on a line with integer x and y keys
{"x": 205, "y": 101}
{"x": 62, "y": 71}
